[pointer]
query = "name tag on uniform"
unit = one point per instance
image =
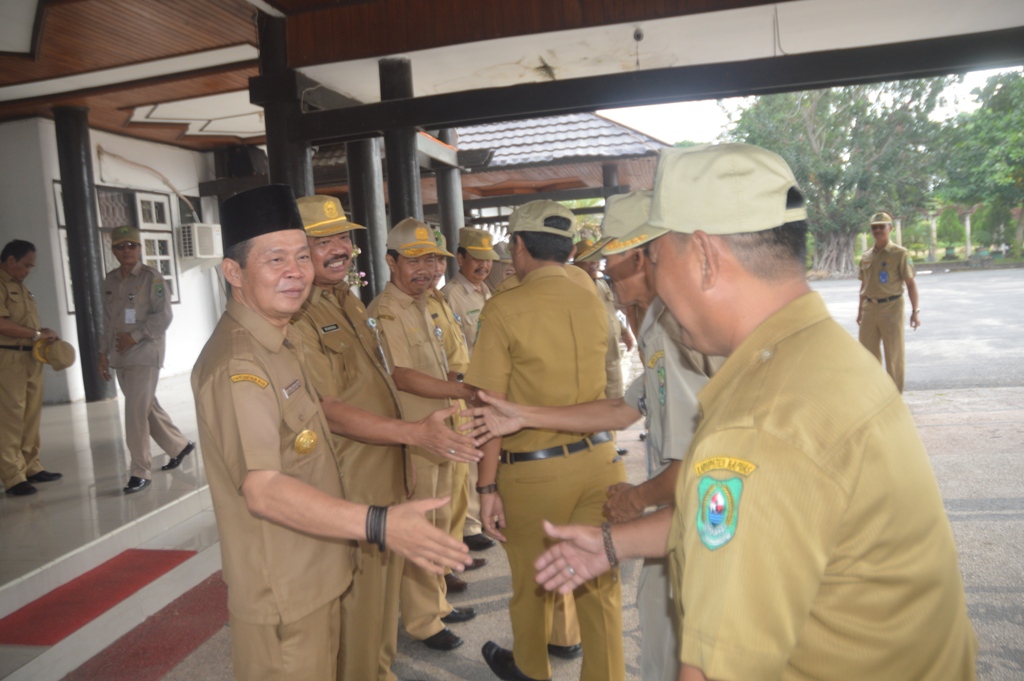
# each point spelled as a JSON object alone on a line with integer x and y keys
{"x": 292, "y": 387}
{"x": 129, "y": 315}
{"x": 328, "y": 329}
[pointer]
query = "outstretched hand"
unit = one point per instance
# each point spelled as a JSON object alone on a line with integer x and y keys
{"x": 496, "y": 418}
{"x": 578, "y": 558}
{"x": 411, "y": 535}
{"x": 437, "y": 437}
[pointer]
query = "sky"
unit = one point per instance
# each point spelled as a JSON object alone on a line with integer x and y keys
{"x": 704, "y": 121}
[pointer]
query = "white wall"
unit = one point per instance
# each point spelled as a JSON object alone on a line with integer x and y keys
{"x": 28, "y": 210}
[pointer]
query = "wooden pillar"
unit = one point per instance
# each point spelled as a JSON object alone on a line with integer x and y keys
{"x": 449, "y": 201}
{"x": 404, "y": 197}
{"x": 290, "y": 163}
{"x": 84, "y": 245}
{"x": 366, "y": 189}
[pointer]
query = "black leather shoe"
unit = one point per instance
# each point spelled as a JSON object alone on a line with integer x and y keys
{"x": 136, "y": 484}
{"x": 566, "y": 652}
{"x": 443, "y": 640}
{"x": 502, "y": 663}
{"x": 176, "y": 460}
{"x": 476, "y": 564}
{"x": 478, "y": 542}
{"x": 22, "y": 489}
{"x": 454, "y": 584}
{"x": 621, "y": 451}
{"x": 45, "y": 476}
{"x": 459, "y": 615}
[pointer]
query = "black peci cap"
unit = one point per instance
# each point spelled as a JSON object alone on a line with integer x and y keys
{"x": 262, "y": 210}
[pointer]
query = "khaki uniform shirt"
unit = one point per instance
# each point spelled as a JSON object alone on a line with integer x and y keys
{"x": 345, "y": 361}
{"x": 542, "y": 343}
{"x": 467, "y": 302}
{"x": 415, "y": 342}
{"x": 666, "y": 392}
{"x": 18, "y": 304}
{"x": 452, "y": 337}
{"x": 809, "y": 539}
{"x": 882, "y": 273}
{"x": 253, "y": 399}
{"x": 139, "y": 305}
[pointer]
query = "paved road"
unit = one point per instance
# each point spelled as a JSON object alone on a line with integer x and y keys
{"x": 972, "y": 327}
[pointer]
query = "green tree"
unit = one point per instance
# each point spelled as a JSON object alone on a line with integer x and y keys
{"x": 949, "y": 230}
{"x": 992, "y": 220}
{"x": 854, "y": 151}
{"x": 986, "y": 160}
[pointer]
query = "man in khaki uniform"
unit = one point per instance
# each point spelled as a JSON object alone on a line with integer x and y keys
{"x": 884, "y": 270}
{"x": 467, "y": 293}
{"x": 21, "y": 376}
{"x": 502, "y": 268}
{"x": 276, "y": 485}
{"x": 808, "y": 538}
{"x": 136, "y": 315}
{"x": 544, "y": 342}
{"x": 421, "y": 374}
{"x": 346, "y": 361}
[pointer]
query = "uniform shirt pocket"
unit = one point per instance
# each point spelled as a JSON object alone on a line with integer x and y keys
{"x": 301, "y": 437}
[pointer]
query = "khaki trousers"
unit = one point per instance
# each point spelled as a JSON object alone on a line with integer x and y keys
{"x": 659, "y": 626}
{"x": 369, "y": 642}
{"x": 881, "y": 328}
{"x": 21, "y": 406}
{"x": 424, "y": 597}
{"x": 307, "y": 649}
{"x": 563, "y": 489}
{"x": 144, "y": 417}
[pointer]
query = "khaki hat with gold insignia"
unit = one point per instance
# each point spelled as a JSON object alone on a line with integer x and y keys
{"x": 123, "y": 234}
{"x": 587, "y": 249}
{"x": 413, "y": 239}
{"x": 535, "y": 216}
{"x": 59, "y": 354}
{"x": 478, "y": 243}
{"x": 324, "y": 216}
{"x": 881, "y": 218}
{"x": 626, "y": 218}
{"x": 724, "y": 189}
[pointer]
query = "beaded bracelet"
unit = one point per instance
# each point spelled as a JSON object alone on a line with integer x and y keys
{"x": 609, "y": 548}
{"x": 376, "y": 525}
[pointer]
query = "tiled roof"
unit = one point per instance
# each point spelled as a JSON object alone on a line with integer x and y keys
{"x": 566, "y": 138}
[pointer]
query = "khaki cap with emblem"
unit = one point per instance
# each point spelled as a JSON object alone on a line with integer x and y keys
{"x": 478, "y": 243}
{"x": 413, "y": 239}
{"x": 588, "y": 250}
{"x": 442, "y": 242}
{"x": 881, "y": 218}
{"x": 723, "y": 189}
{"x": 626, "y": 219}
{"x": 123, "y": 234}
{"x": 59, "y": 354}
{"x": 531, "y": 217}
{"x": 324, "y": 216}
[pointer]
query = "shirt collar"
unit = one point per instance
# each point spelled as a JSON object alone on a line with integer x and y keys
{"x": 403, "y": 298}
{"x": 6, "y": 276}
{"x": 802, "y": 313}
{"x": 470, "y": 286}
{"x": 545, "y": 272}
{"x": 135, "y": 270}
{"x": 268, "y": 335}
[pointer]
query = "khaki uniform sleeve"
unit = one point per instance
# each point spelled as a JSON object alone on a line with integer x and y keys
{"x": 747, "y": 599}
{"x": 159, "y": 316}
{"x": 394, "y": 339}
{"x": 491, "y": 364}
{"x": 907, "y": 266}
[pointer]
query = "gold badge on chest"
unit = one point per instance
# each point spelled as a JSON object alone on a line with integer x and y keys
{"x": 305, "y": 442}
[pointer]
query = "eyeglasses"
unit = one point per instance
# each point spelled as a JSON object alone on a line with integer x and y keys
{"x": 125, "y": 244}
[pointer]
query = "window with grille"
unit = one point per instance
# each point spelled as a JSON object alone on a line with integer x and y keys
{"x": 158, "y": 253}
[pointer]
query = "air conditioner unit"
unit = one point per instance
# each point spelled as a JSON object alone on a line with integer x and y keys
{"x": 200, "y": 241}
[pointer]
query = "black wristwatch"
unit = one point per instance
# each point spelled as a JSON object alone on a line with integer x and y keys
{"x": 487, "y": 489}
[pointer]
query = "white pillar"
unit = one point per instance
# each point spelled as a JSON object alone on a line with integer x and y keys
{"x": 933, "y": 237}
{"x": 967, "y": 226}
{"x": 899, "y": 231}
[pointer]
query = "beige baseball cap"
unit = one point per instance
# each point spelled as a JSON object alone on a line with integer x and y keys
{"x": 478, "y": 243}
{"x": 627, "y": 216}
{"x": 413, "y": 239}
{"x": 123, "y": 234}
{"x": 722, "y": 189}
{"x": 881, "y": 218}
{"x": 324, "y": 216}
{"x": 530, "y": 217}
{"x": 59, "y": 354}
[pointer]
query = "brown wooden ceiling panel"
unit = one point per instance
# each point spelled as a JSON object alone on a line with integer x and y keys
{"x": 89, "y": 35}
{"x": 343, "y": 32}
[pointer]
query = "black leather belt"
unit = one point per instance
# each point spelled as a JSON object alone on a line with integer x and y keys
{"x": 883, "y": 300}
{"x": 562, "y": 450}
{"x": 23, "y": 348}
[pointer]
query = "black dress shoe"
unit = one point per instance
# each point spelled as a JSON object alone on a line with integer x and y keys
{"x": 22, "y": 489}
{"x": 566, "y": 652}
{"x": 176, "y": 460}
{"x": 476, "y": 564}
{"x": 443, "y": 640}
{"x": 45, "y": 476}
{"x": 502, "y": 663}
{"x": 136, "y": 484}
{"x": 454, "y": 584}
{"x": 621, "y": 451}
{"x": 478, "y": 542}
{"x": 459, "y": 615}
